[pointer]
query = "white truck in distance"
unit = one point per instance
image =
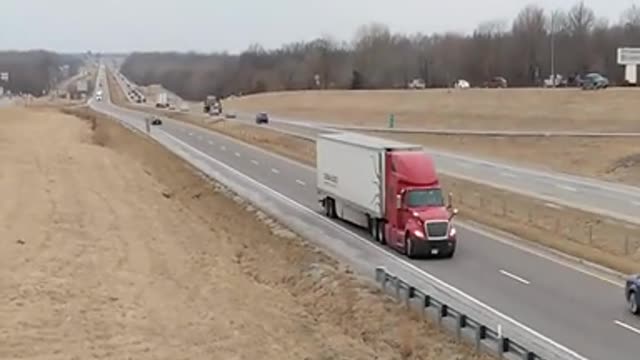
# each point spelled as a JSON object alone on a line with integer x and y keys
{"x": 387, "y": 187}
{"x": 162, "y": 100}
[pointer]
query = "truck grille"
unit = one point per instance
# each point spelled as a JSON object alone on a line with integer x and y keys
{"x": 437, "y": 229}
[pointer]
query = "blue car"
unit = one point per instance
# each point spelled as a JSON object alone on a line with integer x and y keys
{"x": 632, "y": 293}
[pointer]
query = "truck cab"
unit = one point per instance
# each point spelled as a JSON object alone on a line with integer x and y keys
{"x": 418, "y": 221}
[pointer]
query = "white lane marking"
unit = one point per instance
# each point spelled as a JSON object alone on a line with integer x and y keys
{"x": 275, "y": 171}
{"x": 636, "y": 203}
{"x": 553, "y": 206}
{"x": 508, "y": 174}
{"x": 626, "y": 326}
{"x": 255, "y": 162}
{"x": 545, "y": 254}
{"x": 382, "y": 251}
{"x": 237, "y": 154}
{"x": 566, "y": 187}
{"x": 223, "y": 148}
{"x": 301, "y": 182}
{"x": 515, "y": 277}
{"x": 211, "y": 142}
{"x": 190, "y": 134}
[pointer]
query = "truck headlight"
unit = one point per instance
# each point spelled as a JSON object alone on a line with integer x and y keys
{"x": 452, "y": 232}
{"x": 418, "y": 233}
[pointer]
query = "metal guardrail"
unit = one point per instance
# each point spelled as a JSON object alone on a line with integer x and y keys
{"x": 486, "y": 338}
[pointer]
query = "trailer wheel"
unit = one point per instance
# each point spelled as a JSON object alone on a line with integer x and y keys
{"x": 371, "y": 227}
{"x": 330, "y": 208}
{"x": 380, "y": 233}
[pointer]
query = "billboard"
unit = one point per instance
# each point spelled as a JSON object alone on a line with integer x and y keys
{"x": 628, "y": 56}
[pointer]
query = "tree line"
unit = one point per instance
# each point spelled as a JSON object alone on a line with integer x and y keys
{"x": 573, "y": 41}
{"x": 35, "y": 72}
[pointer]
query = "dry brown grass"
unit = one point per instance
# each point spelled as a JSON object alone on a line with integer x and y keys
{"x": 281, "y": 297}
{"x": 614, "y": 109}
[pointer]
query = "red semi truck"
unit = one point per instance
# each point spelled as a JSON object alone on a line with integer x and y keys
{"x": 390, "y": 188}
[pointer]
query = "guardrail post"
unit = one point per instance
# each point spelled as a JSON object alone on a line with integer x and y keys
{"x": 503, "y": 347}
{"x": 529, "y": 356}
{"x": 380, "y": 275}
{"x": 442, "y": 313}
{"x": 396, "y": 286}
{"x": 410, "y": 294}
{"x": 481, "y": 334}
{"x": 461, "y": 324}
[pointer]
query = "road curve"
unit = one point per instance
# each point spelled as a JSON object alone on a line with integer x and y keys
{"x": 580, "y": 310}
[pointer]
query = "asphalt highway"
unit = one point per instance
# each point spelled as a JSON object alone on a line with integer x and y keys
{"x": 575, "y": 307}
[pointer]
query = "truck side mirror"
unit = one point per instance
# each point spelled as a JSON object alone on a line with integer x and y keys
{"x": 450, "y": 200}
{"x": 399, "y": 201}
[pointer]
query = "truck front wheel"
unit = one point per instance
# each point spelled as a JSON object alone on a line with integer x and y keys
{"x": 408, "y": 247}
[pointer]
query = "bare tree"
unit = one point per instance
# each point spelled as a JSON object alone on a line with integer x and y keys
{"x": 537, "y": 43}
{"x": 529, "y": 32}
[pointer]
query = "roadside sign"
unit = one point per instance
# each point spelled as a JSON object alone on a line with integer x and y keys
{"x": 4, "y": 76}
{"x": 629, "y": 56}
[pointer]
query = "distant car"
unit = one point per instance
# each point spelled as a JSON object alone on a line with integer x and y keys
{"x": 497, "y": 82}
{"x": 594, "y": 81}
{"x": 262, "y": 118}
{"x": 230, "y": 115}
{"x": 461, "y": 84}
{"x": 632, "y": 293}
{"x": 155, "y": 120}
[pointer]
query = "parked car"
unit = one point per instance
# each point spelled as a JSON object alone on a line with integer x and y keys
{"x": 497, "y": 82}
{"x": 461, "y": 84}
{"x": 593, "y": 81}
{"x": 632, "y": 293}
{"x": 262, "y": 118}
{"x": 230, "y": 115}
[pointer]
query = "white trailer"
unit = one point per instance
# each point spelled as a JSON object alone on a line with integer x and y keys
{"x": 162, "y": 100}
{"x": 351, "y": 170}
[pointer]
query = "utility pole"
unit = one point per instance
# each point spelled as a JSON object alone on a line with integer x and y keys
{"x": 553, "y": 48}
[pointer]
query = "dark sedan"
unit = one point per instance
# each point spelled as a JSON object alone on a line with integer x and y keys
{"x": 632, "y": 293}
{"x": 262, "y": 118}
{"x": 154, "y": 120}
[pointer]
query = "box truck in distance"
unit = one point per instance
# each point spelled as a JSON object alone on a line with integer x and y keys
{"x": 390, "y": 188}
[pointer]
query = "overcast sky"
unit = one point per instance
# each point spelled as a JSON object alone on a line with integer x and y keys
{"x": 213, "y": 25}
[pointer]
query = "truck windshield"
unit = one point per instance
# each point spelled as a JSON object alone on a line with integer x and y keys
{"x": 424, "y": 198}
